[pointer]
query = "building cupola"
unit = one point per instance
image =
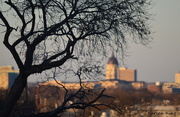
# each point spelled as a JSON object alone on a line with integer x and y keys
{"x": 112, "y": 60}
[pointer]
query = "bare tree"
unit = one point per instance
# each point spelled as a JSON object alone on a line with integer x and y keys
{"x": 43, "y": 34}
{"x": 77, "y": 99}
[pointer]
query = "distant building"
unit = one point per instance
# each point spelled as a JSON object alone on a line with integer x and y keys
{"x": 154, "y": 88}
{"x": 127, "y": 74}
{"x": 114, "y": 72}
{"x": 167, "y": 87}
{"x": 112, "y": 67}
{"x": 138, "y": 85}
{"x": 115, "y": 77}
{"x": 7, "y": 77}
{"x": 109, "y": 83}
{"x": 68, "y": 85}
{"x": 172, "y": 87}
{"x": 177, "y": 78}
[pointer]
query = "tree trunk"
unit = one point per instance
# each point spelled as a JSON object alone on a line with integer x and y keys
{"x": 14, "y": 94}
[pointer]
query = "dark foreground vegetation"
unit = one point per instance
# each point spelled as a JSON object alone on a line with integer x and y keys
{"x": 47, "y": 98}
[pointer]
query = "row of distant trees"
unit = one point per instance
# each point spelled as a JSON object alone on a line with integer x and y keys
{"x": 122, "y": 102}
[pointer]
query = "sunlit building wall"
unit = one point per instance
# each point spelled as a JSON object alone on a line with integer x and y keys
{"x": 154, "y": 88}
{"x": 112, "y": 71}
{"x": 127, "y": 74}
{"x": 7, "y": 77}
{"x": 177, "y": 78}
{"x": 138, "y": 85}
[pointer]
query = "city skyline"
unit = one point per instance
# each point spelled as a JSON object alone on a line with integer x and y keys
{"x": 157, "y": 62}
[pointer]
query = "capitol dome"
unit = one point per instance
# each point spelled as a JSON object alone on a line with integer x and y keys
{"x": 112, "y": 60}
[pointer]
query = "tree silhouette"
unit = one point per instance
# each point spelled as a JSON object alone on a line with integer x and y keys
{"x": 44, "y": 34}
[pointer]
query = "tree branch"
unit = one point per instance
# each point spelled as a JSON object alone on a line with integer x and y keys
{"x": 13, "y": 51}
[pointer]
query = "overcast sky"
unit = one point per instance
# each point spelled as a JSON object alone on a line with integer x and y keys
{"x": 161, "y": 61}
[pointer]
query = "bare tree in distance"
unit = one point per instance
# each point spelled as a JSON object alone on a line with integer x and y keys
{"x": 44, "y": 34}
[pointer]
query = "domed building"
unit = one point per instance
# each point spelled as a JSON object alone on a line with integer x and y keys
{"x": 115, "y": 77}
{"x": 112, "y": 60}
{"x": 114, "y": 72}
{"x": 112, "y": 68}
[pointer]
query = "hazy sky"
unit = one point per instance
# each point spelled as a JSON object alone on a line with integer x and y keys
{"x": 161, "y": 61}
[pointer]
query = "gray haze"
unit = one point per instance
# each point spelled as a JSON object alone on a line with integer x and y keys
{"x": 161, "y": 61}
